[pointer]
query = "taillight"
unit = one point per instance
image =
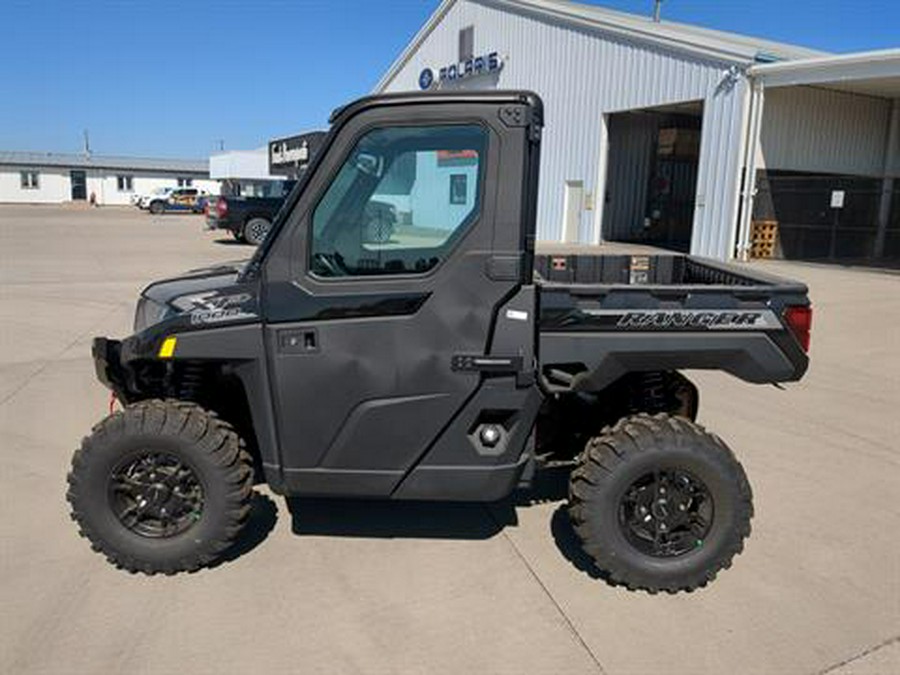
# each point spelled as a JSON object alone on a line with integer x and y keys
{"x": 799, "y": 320}
{"x": 221, "y": 207}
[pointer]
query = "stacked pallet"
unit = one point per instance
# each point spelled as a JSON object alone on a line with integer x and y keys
{"x": 764, "y": 239}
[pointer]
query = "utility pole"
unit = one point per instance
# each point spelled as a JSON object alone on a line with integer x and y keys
{"x": 87, "y": 144}
{"x": 657, "y": 7}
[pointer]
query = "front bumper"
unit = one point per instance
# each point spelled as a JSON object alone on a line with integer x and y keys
{"x": 108, "y": 364}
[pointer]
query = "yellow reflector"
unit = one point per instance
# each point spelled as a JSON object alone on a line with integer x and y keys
{"x": 167, "y": 348}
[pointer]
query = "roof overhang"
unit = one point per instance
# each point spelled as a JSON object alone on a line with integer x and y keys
{"x": 874, "y": 73}
{"x": 692, "y": 41}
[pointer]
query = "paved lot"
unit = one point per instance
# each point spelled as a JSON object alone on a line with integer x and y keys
{"x": 368, "y": 587}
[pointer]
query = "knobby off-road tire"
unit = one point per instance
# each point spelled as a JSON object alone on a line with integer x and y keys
{"x": 162, "y": 486}
{"x": 659, "y": 503}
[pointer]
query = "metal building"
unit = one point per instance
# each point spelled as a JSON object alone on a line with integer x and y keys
{"x": 55, "y": 178}
{"x": 651, "y": 126}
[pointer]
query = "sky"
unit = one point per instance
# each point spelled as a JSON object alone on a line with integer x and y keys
{"x": 168, "y": 78}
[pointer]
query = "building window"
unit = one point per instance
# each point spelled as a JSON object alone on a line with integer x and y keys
{"x": 124, "y": 183}
{"x": 185, "y": 182}
{"x": 30, "y": 180}
{"x": 459, "y": 188}
{"x": 466, "y": 43}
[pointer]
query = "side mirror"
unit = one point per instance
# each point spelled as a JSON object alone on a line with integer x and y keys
{"x": 369, "y": 164}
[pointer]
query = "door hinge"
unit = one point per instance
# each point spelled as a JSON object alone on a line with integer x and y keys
{"x": 523, "y": 116}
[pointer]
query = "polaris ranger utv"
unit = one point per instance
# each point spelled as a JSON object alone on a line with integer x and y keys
{"x": 450, "y": 362}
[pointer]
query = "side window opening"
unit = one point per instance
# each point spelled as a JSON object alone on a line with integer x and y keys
{"x": 387, "y": 210}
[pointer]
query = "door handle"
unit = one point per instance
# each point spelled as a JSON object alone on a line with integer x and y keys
{"x": 485, "y": 364}
{"x": 304, "y": 341}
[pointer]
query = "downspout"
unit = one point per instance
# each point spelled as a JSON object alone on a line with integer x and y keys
{"x": 887, "y": 180}
{"x": 748, "y": 194}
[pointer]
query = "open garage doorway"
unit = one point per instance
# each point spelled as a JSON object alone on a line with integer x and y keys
{"x": 652, "y": 162}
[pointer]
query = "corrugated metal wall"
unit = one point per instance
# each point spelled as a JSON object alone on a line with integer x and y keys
{"x": 824, "y": 131}
{"x": 582, "y": 74}
{"x": 722, "y": 138}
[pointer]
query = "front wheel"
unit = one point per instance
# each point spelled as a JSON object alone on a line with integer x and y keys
{"x": 156, "y": 208}
{"x": 255, "y": 230}
{"x": 659, "y": 503}
{"x": 162, "y": 486}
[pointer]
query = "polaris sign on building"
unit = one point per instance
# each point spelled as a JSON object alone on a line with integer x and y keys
{"x": 471, "y": 67}
{"x": 651, "y": 127}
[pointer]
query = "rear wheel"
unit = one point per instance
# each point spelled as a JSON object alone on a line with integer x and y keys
{"x": 659, "y": 503}
{"x": 255, "y": 230}
{"x": 162, "y": 486}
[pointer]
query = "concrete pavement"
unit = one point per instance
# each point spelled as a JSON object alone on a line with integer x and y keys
{"x": 345, "y": 587}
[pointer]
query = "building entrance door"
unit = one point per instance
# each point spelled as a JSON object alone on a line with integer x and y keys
{"x": 79, "y": 185}
{"x": 573, "y": 203}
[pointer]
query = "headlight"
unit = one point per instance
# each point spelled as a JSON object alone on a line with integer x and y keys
{"x": 149, "y": 313}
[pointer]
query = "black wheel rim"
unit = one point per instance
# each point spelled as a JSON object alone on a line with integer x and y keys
{"x": 666, "y": 513}
{"x": 156, "y": 495}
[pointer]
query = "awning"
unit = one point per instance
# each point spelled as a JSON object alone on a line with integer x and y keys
{"x": 875, "y": 73}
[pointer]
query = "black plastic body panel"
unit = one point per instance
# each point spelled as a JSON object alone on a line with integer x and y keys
{"x": 379, "y": 394}
{"x": 751, "y": 357}
{"x": 618, "y": 314}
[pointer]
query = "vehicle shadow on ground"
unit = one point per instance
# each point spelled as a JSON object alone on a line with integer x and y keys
{"x": 568, "y": 544}
{"x": 421, "y": 520}
{"x": 262, "y": 519}
{"x": 552, "y": 485}
{"x": 441, "y": 520}
{"x": 230, "y": 242}
{"x": 394, "y": 520}
{"x": 417, "y": 520}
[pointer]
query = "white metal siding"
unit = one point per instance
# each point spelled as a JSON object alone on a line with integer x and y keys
{"x": 824, "y": 131}
{"x": 241, "y": 164}
{"x": 54, "y": 186}
{"x": 582, "y": 73}
{"x": 725, "y": 117}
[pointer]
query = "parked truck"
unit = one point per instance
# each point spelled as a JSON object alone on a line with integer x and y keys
{"x": 451, "y": 362}
{"x": 247, "y": 211}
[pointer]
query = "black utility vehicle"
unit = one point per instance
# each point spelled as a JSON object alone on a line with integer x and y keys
{"x": 450, "y": 362}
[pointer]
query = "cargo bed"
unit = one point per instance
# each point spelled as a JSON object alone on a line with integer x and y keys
{"x": 602, "y": 316}
{"x": 658, "y": 269}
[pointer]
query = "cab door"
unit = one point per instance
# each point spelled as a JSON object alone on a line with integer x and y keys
{"x": 410, "y": 233}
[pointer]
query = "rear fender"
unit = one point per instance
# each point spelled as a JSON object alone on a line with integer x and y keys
{"x": 752, "y": 357}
